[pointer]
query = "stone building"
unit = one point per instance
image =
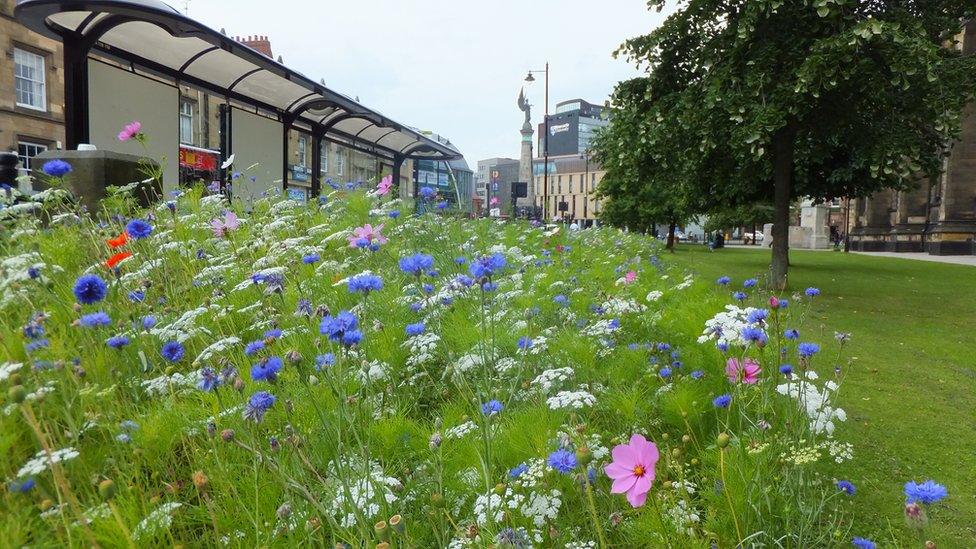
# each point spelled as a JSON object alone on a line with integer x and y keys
{"x": 571, "y": 196}
{"x": 31, "y": 90}
{"x": 938, "y": 216}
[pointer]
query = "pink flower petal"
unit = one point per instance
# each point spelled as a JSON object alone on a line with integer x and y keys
{"x": 643, "y": 483}
{"x": 625, "y": 455}
{"x": 616, "y": 470}
{"x": 636, "y": 499}
{"x": 623, "y": 484}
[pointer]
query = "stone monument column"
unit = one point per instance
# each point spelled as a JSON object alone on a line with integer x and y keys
{"x": 525, "y": 159}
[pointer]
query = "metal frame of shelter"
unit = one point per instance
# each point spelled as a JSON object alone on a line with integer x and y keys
{"x": 155, "y": 37}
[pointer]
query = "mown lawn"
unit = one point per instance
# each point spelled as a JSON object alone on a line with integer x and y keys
{"x": 911, "y": 392}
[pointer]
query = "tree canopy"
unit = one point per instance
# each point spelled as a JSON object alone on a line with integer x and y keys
{"x": 747, "y": 101}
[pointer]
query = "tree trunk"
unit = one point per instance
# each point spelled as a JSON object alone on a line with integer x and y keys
{"x": 783, "y": 146}
{"x": 671, "y": 228}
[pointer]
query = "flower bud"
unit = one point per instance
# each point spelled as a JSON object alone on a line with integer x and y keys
{"x": 437, "y": 500}
{"x": 227, "y": 435}
{"x": 435, "y": 441}
{"x": 284, "y": 511}
{"x": 584, "y": 455}
{"x": 200, "y": 480}
{"x": 723, "y": 440}
{"x": 382, "y": 545}
{"x": 238, "y": 384}
{"x": 929, "y": 544}
{"x": 396, "y": 522}
{"x": 17, "y": 394}
{"x": 915, "y": 516}
{"x": 382, "y": 531}
{"x": 686, "y": 439}
{"x": 294, "y": 357}
{"x": 106, "y": 489}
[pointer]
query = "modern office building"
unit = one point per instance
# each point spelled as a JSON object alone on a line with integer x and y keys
{"x": 494, "y": 185}
{"x": 571, "y": 196}
{"x": 572, "y": 127}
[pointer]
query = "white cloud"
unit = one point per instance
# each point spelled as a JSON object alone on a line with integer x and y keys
{"x": 454, "y": 67}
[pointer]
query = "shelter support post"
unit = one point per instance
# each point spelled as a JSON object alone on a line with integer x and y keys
{"x": 75, "y": 92}
{"x": 316, "y": 165}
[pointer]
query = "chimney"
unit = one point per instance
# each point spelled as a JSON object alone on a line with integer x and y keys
{"x": 259, "y": 43}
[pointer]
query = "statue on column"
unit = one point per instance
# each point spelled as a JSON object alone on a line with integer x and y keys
{"x": 524, "y": 106}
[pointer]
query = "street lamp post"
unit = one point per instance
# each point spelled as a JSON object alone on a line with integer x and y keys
{"x": 545, "y": 144}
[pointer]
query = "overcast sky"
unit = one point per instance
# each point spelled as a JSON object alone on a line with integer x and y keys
{"x": 450, "y": 66}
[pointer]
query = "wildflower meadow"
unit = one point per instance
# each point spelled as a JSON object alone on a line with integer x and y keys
{"x": 345, "y": 372}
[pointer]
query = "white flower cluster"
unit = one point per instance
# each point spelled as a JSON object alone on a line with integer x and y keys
{"x": 601, "y": 328}
{"x": 8, "y": 368}
{"x": 161, "y": 385}
{"x": 372, "y": 372}
{"x": 460, "y": 431}
{"x": 552, "y": 378}
{"x": 362, "y": 493}
{"x": 617, "y": 306}
{"x": 41, "y": 460}
{"x": 684, "y": 517}
{"x": 686, "y": 283}
{"x": 575, "y": 400}
{"x": 422, "y": 347}
{"x": 727, "y": 326}
{"x": 815, "y": 402}
{"x": 468, "y": 362}
{"x": 216, "y": 347}
{"x": 32, "y": 396}
{"x": 654, "y": 295}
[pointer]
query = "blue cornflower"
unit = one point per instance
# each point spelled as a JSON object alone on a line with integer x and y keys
{"x": 427, "y": 288}
{"x": 415, "y": 329}
{"x": 487, "y": 266}
{"x": 310, "y": 258}
{"x": 416, "y": 307}
{"x": 336, "y": 326}
{"x": 128, "y": 425}
{"x": 137, "y": 296}
{"x": 863, "y": 543}
{"x": 927, "y": 492}
{"x": 525, "y": 343}
{"x": 491, "y": 407}
{"x": 561, "y": 300}
{"x": 723, "y": 280}
{"x": 253, "y": 347}
{"x": 722, "y": 401}
{"x": 95, "y": 320}
{"x": 784, "y": 303}
{"x": 321, "y": 361}
{"x": 172, "y": 351}
{"x": 791, "y": 334}
{"x": 258, "y": 405}
{"x": 117, "y": 342}
{"x": 303, "y": 308}
{"x": 447, "y": 301}
{"x": 665, "y": 372}
{"x": 722, "y": 346}
{"x": 755, "y": 335}
{"x": 460, "y": 260}
{"x": 273, "y": 333}
{"x": 267, "y": 369}
{"x": 846, "y": 486}
{"x": 463, "y": 281}
{"x": 56, "y": 168}
{"x": 808, "y": 349}
{"x": 33, "y": 330}
{"x": 663, "y": 347}
{"x": 209, "y": 380}
{"x": 394, "y": 214}
{"x": 750, "y": 283}
{"x": 148, "y": 322}
{"x": 786, "y": 369}
{"x": 740, "y": 296}
{"x": 812, "y": 292}
{"x": 758, "y": 315}
{"x": 697, "y": 374}
{"x": 416, "y": 264}
{"x": 37, "y": 344}
{"x": 23, "y": 486}
{"x": 138, "y": 229}
{"x": 124, "y": 438}
{"x": 442, "y": 205}
{"x": 33, "y": 272}
{"x": 516, "y": 472}
{"x": 90, "y": 288}
{"x": 365, "y": 283}
{"x": 562, "y": 460}
{"x": 352, "y": 338}
{"x": 427, "y": 193}
{"x": 489, "y": 286}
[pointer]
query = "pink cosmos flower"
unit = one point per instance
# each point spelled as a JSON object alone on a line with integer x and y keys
{"x": 746, "y": 371}
{"x": 632, "y": 469}
{"x": 493, "y": 201}
{"x": 630, "y": 277}
{"x": 130, "y": 130}
{"x": 223, "y": 226}
{"x": 385, "y": 185}
{"x": 368, "y": 233}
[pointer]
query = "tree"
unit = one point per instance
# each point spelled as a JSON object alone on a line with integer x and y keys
{"x": 781, "y": 99}
{"x": 639, "y": 191}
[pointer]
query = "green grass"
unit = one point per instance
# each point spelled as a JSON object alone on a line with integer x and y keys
{"x": 911, "y": 391}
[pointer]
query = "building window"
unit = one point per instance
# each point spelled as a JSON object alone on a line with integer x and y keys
{"x": 26, "y": 151}
{"x": 29, "y": 80}
{"x": 592, "y": 181}
{"x": 340, "y": 162}
{"x": 571, "y": 184}
{"x": 302, "y": 151}
{"x": 324, "y": 154}
{"x": 186, "y": 122}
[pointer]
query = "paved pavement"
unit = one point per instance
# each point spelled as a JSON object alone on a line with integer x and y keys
{"x": 954, "y": 259}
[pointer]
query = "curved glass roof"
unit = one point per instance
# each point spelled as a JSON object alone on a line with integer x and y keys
{"x": 157, "y": 37}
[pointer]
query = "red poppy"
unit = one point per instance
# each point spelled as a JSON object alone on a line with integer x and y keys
{"x": 118, "y": 241}
{"x": 117, "y": 258}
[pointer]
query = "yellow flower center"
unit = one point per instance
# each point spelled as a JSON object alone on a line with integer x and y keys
{"x": 639, "y": 470}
